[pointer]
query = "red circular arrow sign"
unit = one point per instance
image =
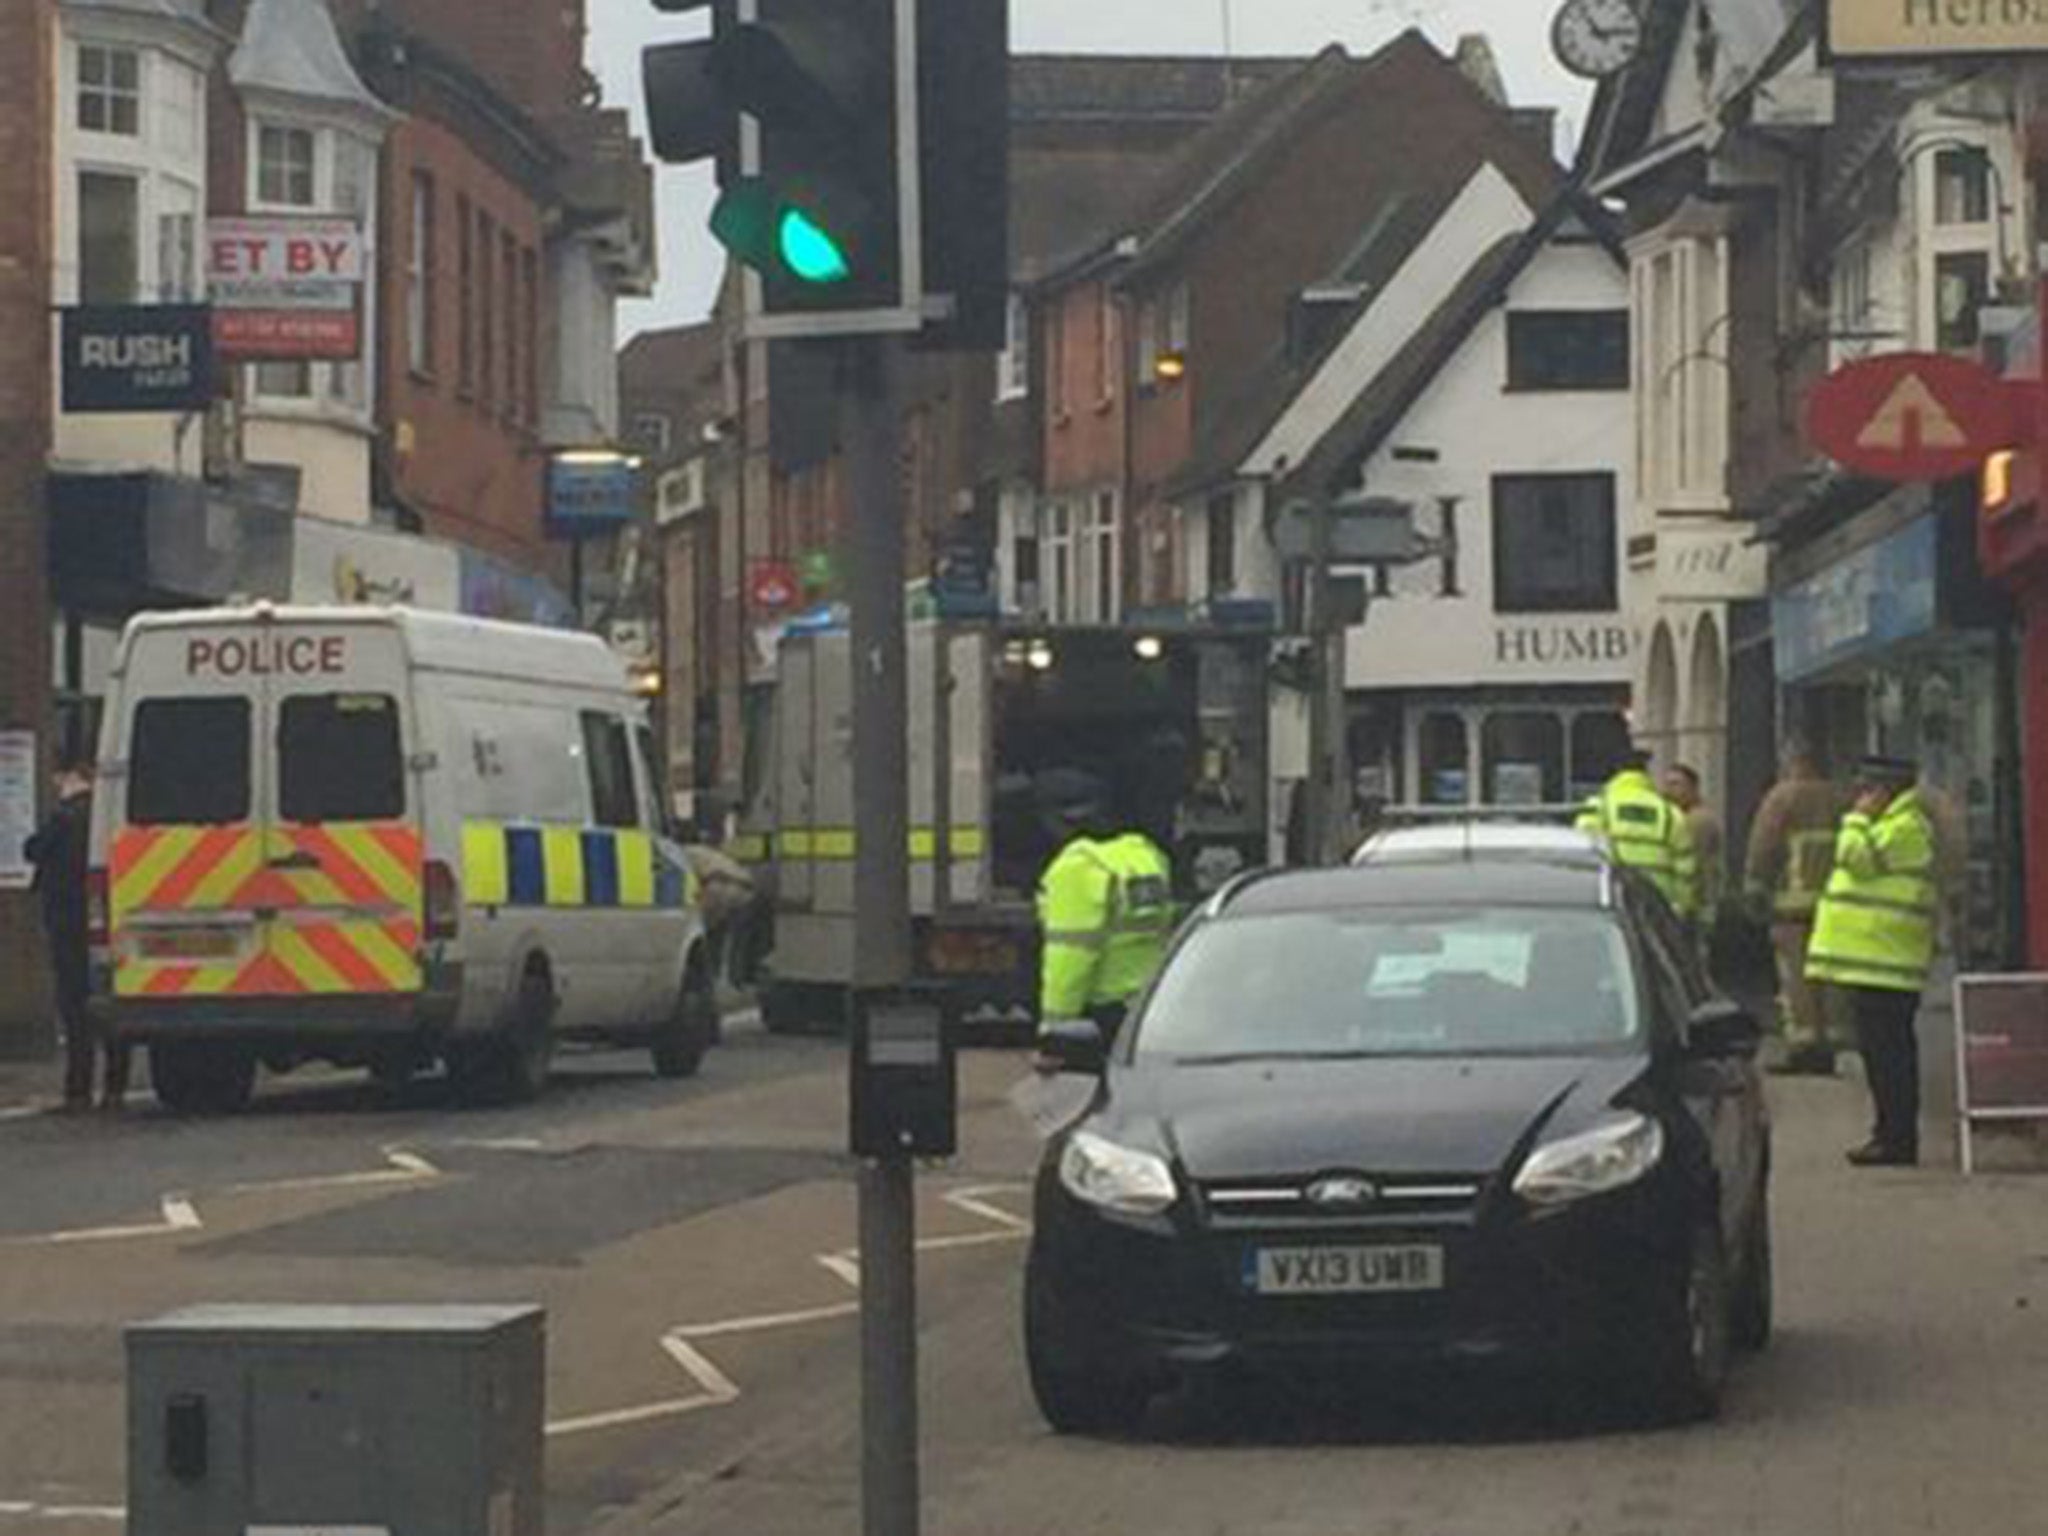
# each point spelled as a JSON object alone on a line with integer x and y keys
{"x": 1913, "y": 416}
{"x": 774, "y": 586}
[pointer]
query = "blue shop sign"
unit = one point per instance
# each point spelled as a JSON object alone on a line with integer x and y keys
{"x": 589, "y": 498}
{"x": 1882, "y": 594}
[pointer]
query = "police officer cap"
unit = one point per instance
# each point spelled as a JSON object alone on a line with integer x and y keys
{"x": 1071, "y": 790}
{"x": 1892, "y": 772}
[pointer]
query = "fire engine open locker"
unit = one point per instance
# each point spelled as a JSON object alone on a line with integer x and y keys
{"x": 1173, "y": 722}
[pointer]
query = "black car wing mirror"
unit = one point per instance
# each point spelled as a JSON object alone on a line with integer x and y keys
{"x": 1074, "y": 1045}
{"x": 1720, "y": 1029}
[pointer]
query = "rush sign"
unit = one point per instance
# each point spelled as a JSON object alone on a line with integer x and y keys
{"x": 265, "y": 655}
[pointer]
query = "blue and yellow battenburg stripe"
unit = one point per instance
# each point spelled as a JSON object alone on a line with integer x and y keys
{"x": 546, "y": 866}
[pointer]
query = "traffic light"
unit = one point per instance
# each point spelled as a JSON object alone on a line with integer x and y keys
{"x": 810, "y": 108}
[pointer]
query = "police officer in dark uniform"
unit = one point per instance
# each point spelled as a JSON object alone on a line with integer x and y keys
{"x": 60, "y": 851}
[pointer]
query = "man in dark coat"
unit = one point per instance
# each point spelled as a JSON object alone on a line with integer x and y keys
{"x": 59, "y": 852}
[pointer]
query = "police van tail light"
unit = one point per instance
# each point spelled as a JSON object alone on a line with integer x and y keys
{"x": 98, "y": 927}
{"x": 443, "y": 901}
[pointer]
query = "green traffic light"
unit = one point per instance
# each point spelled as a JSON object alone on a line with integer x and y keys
{"x": 810, "y": 251}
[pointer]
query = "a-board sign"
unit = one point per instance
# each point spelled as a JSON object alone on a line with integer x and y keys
{"x": 2001, "y": 1051}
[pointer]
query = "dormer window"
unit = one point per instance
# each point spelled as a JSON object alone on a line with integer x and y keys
{"x": 285, "y": 166}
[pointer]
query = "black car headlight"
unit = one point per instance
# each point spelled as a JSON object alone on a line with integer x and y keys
{"x": 1610, "y": 1156}
{"x": 1101, "y": 1173}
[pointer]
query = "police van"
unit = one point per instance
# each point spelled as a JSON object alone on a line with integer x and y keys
{"x": 383, "y": 838}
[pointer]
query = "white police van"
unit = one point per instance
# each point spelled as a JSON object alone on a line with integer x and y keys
{"x": 382, "y": 838}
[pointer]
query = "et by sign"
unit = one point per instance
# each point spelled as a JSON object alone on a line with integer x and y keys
{"x": 1920, "y": 29}
{"x": 286, "y": 288}
{"x": 137, "y": 358}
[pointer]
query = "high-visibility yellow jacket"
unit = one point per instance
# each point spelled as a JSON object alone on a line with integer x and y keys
{"x": 1106, "y": 908}
{"x": 1878, "y": 917}
{"x": 1647, "y": 833}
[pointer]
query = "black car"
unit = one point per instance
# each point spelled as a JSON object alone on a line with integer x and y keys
{"x": 1476, "y": 1107}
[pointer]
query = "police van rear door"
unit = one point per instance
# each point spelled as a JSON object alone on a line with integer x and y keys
{"x": 344, "y": 855}
{"x": 183, "y": 847}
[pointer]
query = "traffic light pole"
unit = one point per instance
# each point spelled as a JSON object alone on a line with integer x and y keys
{"x": 881, "y": 787}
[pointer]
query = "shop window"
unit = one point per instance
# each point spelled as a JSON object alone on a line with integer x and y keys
{"x": 1553, "y": 544}
{"x": 1522, "y": 755}
{"x": 285, "y": 166}
{"x": 189, "y": 762}
{"x": 339, "y": 758}
{"x": 1446, "y": 761}
{"x": 285, "y": 381}
{"x": 1600, "y": 743}
{"x": 1962, "y": 186}
{"x": 109, "y": 90}
{"x": 1568, "y": 349}
{"x": 109, "y": 238}
{"x": 1962, "y": 287}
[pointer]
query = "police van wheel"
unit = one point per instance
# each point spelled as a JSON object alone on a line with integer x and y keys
{"x": 681, "y": 1039}
{"x": 197, "y": 1077}
{"x": 512, "y": 1067}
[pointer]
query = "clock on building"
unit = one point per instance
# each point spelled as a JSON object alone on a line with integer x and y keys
{"x": 1597, "y": 38}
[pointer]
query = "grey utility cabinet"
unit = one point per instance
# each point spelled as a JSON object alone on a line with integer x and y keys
{"x": 397, "y": 1421}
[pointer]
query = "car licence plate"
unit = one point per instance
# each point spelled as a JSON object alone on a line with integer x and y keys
{"x": 1347, "y": 1271}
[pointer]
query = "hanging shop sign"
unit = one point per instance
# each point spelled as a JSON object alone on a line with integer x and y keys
{"x": 137, "y": 358}
{"x": 590, "y": 495}
{"x": 1916, "y": 416}
{"x": 1921, "y": 29}
{"x": 286, "y": 289}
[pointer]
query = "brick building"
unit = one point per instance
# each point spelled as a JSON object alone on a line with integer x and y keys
{"x": 503, "y": 214}
{"x": 28, "y": 40}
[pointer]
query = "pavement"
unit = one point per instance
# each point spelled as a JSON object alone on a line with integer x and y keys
{"x": 695, "y": 1247}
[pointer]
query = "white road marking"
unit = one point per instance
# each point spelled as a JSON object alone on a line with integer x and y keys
{"x": 179, "y": 1214}
{"x": 403, "y": 1167}
{"x": 19, "y": 1112}
{"x": 716, "y": 1390}
{"x": 23, "y": 1509}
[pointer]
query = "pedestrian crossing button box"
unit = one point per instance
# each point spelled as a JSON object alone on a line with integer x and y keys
{"x": 376, "y": 1421}
{"x": 905, "y": 1095}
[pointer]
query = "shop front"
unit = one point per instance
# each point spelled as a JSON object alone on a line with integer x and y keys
{"x": 2013, "y": 542}
{"x": 1495, "y": 751}
{"x": 1887, "y": 639}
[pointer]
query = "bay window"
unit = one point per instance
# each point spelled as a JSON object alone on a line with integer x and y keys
{"x": 109, "y": 90}
{"x": 109, "y": 237}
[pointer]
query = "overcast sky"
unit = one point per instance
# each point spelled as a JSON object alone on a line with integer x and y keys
{"x": 1520, "y": 29}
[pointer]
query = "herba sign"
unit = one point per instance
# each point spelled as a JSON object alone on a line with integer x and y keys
{"x": 1915, "y": 29}
{"x": 156, "y": 357}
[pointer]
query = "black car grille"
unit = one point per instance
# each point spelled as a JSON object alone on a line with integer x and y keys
{"x": 1244, "y": 1204}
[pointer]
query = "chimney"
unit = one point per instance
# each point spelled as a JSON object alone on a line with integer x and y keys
{"x": 1475, "y": 61}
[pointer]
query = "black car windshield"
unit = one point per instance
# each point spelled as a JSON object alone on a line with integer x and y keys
{"x": 1460, "y": 982}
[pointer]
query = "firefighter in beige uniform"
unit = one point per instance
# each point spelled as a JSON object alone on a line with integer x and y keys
{"x": 1791, "y": 854}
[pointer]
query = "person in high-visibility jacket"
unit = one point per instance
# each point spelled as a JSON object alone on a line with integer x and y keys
{"x": 1874, "y": 936}
{"x": 1105, "y": 907}
{"x": 1647, "y": 833}
{"x": 1791, "y": 854}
